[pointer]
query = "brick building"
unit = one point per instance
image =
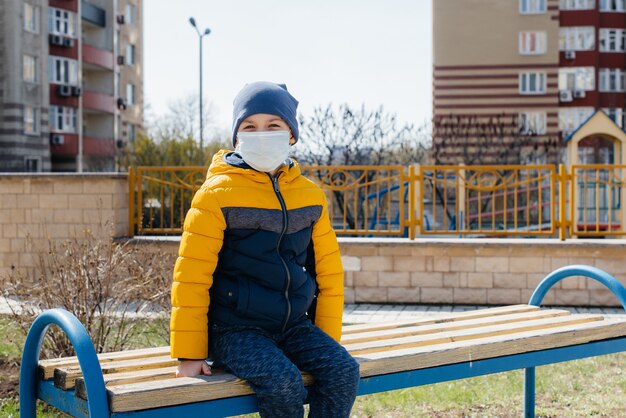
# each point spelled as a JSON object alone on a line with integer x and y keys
{"x": 538, "y": 68}
{"x": 71, "y": 83}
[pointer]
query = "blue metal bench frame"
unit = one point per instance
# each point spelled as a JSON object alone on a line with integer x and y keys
{"x": 97, "y": 406}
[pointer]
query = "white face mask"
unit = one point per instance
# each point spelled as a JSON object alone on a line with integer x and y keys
{"x": 263, "y": 150}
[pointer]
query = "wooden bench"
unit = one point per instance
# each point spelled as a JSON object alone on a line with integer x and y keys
{"x": 141, "y": 383}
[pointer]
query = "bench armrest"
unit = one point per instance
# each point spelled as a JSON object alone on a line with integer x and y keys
{"x": 87, "y": 358}
{"x": 578, "y": 270}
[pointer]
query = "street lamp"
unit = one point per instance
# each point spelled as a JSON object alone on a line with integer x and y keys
{"x": 200, "y": 36}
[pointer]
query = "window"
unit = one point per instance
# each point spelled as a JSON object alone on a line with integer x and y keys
{"x": 532, "y": 43}
{"x": 532, "y": 123}
{"x": 616, "y": 114}
{"x": 577, "y": 4}
{"x": 63, "y": 119}
{"x": 612, "y": 5}
{"x": 29, "y": 68}
{"x": 612, "y": 40}
{"x": 61, "y": 22}
{"x": 31, "y": 120}
{"x": 130, "y": 54}
{"x": 532, "y": 83}
{"x": 611, "y": 79}
{"x": 570, "y": 118}
{"x": 129, "y": 15}
{"x": 132, "y": 131}
{"x": 532, "y": 6}
{"x": 63, "y": 70}
{"x": 577, "y": 38}
{"x": 577, "y": 78}
{"x": 31, "y": 18}
{"x": 130, "y": 94}
{"x": 32, "y": 165}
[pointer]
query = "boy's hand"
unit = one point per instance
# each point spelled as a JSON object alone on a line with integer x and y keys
{"x": 190, "y": 368}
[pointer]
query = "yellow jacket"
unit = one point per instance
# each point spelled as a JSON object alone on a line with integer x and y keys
{"x": 256, "y": 251}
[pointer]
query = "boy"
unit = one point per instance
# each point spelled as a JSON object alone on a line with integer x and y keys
{"x": 259, "y": 249}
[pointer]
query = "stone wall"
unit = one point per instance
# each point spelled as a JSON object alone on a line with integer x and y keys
{"x": 467, "y": 271}
{"x": 38, "y": 207}
{"x": 476, "y": 271}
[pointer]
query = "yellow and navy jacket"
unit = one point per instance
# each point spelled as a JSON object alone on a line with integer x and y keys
{"x": 256, "y": 251}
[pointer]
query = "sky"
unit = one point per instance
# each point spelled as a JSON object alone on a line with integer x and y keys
{"x": 370, "y": 52}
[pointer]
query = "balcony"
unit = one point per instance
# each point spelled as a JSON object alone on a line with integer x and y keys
{"x": 97, "y": 56}
{"x": 104, "y": 147}
{"x": 57, "y": 99}
{"x": 68, "y": 147}
{"x": 93, "y": 14}
{"x": 98, "y": 102}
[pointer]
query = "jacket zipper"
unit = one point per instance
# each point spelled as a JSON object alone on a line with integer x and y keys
{"x": 280, "y": 238}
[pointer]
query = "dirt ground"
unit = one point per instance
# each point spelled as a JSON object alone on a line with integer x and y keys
{"x": 9, "y": 378}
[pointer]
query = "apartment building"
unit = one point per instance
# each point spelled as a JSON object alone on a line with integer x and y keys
{"x": 71, "y": 95}
{"x": 543, "y": 66}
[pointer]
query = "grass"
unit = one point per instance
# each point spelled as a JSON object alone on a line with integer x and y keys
{"x": 594, "y": 387}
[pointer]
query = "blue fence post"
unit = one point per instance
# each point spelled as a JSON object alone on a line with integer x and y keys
{"x": 537, "y": 297}
{"x": 87, "y": 358}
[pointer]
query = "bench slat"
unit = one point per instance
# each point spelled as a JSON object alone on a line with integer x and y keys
{"x": 497, "y": 346}
{"x": 447, "y": 326}
{"x": 467, "y": 334}
{"x": 65, "y": 377}
{"x": 134, "y": 376}
{"x": 137, "y": 396}
{"x": 438, "y": 319}
{"x": 46, "y": 367}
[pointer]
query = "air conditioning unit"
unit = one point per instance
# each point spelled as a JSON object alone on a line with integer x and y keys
{"x": 55, "y": 40}
{"x": 121, "y": 103}
{"x": 76, "y": 91}
{"x": 56, "y": 139}
{"x": 120, "y": 19}
{"x": 68, "y": 42}
{"x": 570, "y": 55}
{"x": 120, "y": 60}
{"x": 579, "y": 94}
{"x": 565, "y": 96}
{"x": 65, "y": 90}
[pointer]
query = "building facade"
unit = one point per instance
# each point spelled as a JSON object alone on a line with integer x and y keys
{"x": 534, "y": 69}
{"x": 71, "y": 91}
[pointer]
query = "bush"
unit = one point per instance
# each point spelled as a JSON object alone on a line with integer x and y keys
{"x": 107, "y": 285}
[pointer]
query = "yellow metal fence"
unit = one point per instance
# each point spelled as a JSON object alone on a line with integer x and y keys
{"x": 471, "y": 201}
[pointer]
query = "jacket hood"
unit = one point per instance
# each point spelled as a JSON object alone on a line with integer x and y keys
{"x": 230, "y": 162}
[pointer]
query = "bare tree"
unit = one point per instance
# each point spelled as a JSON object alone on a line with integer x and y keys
{"x": 344, "y": 136}
{"x": 181, "y": 119}
{"x": 477, "y": 140}
{"x": 495, "y": 140}
{"x": 172, "y": 139}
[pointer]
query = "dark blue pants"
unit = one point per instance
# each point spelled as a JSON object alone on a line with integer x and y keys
{"x": 271, "y": 364}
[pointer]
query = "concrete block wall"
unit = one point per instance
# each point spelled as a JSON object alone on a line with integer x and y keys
{"x": 37, "y": 207}
{"x": 467, "y": 271}
{"x": 476, "y": 271}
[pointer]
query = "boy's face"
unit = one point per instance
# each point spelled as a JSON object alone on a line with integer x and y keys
{"x": 265, "y": 122}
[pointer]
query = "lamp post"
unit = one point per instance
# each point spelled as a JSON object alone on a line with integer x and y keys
{"x": 200, "y": 36}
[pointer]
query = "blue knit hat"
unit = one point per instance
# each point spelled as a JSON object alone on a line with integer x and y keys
{"x": 265, "y": 97}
